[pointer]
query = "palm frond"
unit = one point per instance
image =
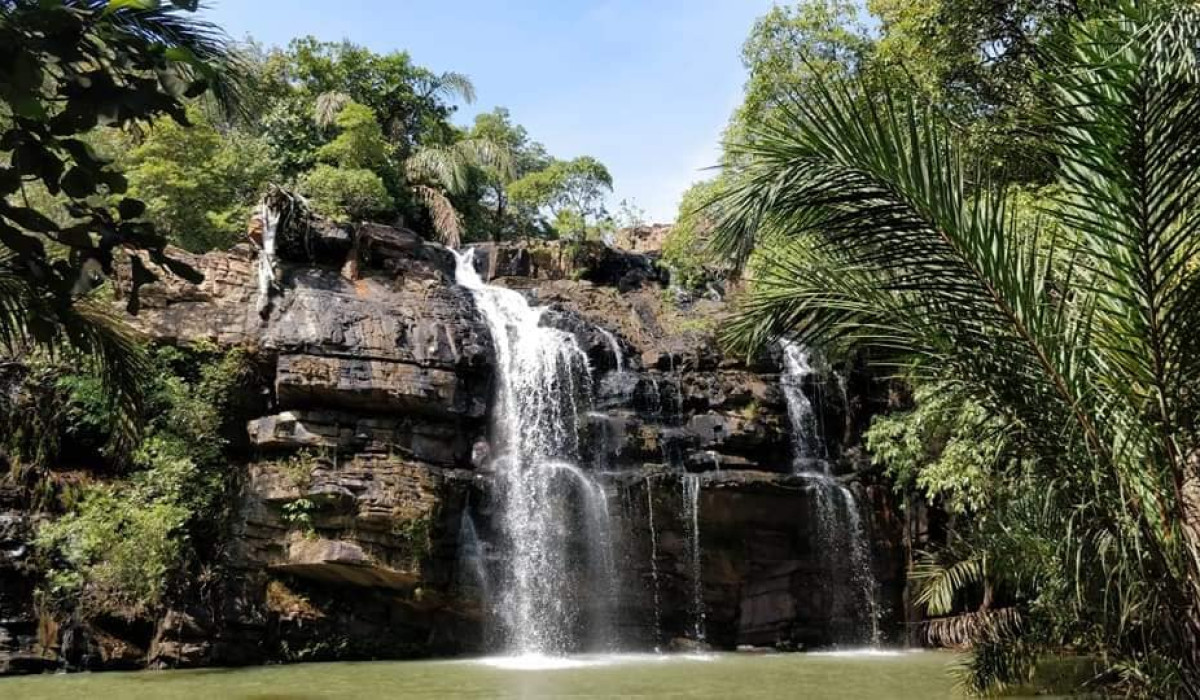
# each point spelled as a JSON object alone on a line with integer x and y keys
{"x": 32, "y": 318}
{"x": 966, "y": 630}
{"x": 485, "y": 153}
{"x": 451, "y": 84}
{"x": 206, "y": 50}
{"x": 940, "y": 583}
{"x": 860, "y": 220}
{"x": 886, "y": 193}
{"x": 444, "y": 166}
{"x": 328, "y": 104}
{"x": 446, "y": 220}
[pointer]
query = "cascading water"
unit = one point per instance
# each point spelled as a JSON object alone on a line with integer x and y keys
{"x": 838, "y": 521}
{"x": 615, "y": 348}
{"x": 269, "y": 217}
{"x": 654, "y": 562}
{"x": 472, "y": 573}
{"x": 546, "y": 505}
{"x": 691, "y": 510}
{"x": 808, "y": 447}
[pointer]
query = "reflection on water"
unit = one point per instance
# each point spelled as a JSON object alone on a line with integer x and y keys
{"x": 543, "y": 662}
{"x": 851, "y": 674}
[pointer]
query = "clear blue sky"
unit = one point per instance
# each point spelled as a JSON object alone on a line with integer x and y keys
{"x": 646, "y": 86}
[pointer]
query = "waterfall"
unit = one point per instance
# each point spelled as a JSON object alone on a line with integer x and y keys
{"x": 614, "y": 347}
{"x": 269, "y": 216}
{"x": 545, "y": 503}
{"x": 691, "y": 509}
{"x": 472, "y": 574}
{"x": 808, "y": 446}
{"x": 653, "y": 561}
{"x": 839, "y": 523}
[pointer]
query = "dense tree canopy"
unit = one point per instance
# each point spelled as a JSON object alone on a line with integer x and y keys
{"x": 364, "y": 136}
{"x": 1048, "y": 331}
{"x": 571, "y": 192}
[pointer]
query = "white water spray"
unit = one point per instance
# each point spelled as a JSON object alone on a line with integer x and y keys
{"x": 543, "y": 382}
{"x": 266, "y": 255}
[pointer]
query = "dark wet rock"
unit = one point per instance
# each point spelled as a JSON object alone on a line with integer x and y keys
{"x": 446, "y": 444}
{"x": 367, "y": 451}
{"x": 764, "y": 563}
{"x": 589, "y": 261}
{"x": 375, "y": 387}
{"x": 181, "y": 640}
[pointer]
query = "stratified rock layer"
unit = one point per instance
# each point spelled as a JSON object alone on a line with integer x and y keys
{"x": 359, "y": 477}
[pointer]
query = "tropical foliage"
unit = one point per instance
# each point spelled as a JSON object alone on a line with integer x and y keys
{"x": 1074, "y": 346}
{"x": 362, "y": 135}
{"x": 570, "y": 192}
{"x": 65, "y": 69}
{"x": 122, "y": 542}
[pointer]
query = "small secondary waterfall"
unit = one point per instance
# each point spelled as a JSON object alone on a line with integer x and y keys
{"x": 808, "y": 446}
{"x": 839, "y": 522}
{"x": 269, "y": 217}
{"x": 614, "y": 347}
{"x": 691, "y": 510}
{"x": 654, "y": 562}
{"x": 548, "y": 601}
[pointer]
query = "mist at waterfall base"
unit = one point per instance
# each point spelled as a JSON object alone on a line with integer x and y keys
{"x": 547, "y": 577}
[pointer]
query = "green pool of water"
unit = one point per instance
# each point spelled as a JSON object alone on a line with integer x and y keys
{"x": 895, "y": 676}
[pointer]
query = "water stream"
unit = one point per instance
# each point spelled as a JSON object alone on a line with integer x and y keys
{"x": 691, "y": 511}
{"x": 472, "y": 577}
{"x": 654, "y": 562}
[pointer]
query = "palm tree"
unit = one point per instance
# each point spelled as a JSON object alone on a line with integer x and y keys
{"x": 1082, "y": 338}
{"x": 66, "y": 65}
{"x": 436, "y": 174}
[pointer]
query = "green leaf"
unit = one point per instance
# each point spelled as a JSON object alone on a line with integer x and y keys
{"x": 10, "y": 181}
{"x": 117, "y": 184}
{"x": 196, "y": 89}
{"x": 28, "y": 219}
{"x": 28, "y": 106}
{"x": 180, "y": 54}
{"x": 131, "y": 208}
{"x": 82, "y": 152}
{"x": 141, "y": 5}
{"x": 141, "y": 276}
{"x": 177, "y": 267}
{"x": 77, "y": 236}
{"x": 78, "y": 183}
{"x": 20, "y": 243}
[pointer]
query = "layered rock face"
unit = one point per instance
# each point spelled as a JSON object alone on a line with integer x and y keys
{"x": 360, "y": 480}
{"x": 669, "y": 405}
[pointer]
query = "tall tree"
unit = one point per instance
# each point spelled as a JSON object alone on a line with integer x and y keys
{"x": 199, "y": 182}
{"x": 881, "y": 228}
{"x": 346, "y": 183}
{"x": 527, "y": 156}
{"x": 439, "y": 174}
{"x": 571, "y": 191}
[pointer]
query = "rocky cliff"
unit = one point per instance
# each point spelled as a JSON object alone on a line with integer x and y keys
{"x": 377, "y": 392}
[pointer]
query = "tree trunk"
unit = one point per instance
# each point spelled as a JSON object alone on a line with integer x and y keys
{"x": 1190, "y": 495}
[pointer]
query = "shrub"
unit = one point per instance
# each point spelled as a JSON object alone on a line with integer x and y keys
{"x": 345, "y": 193}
